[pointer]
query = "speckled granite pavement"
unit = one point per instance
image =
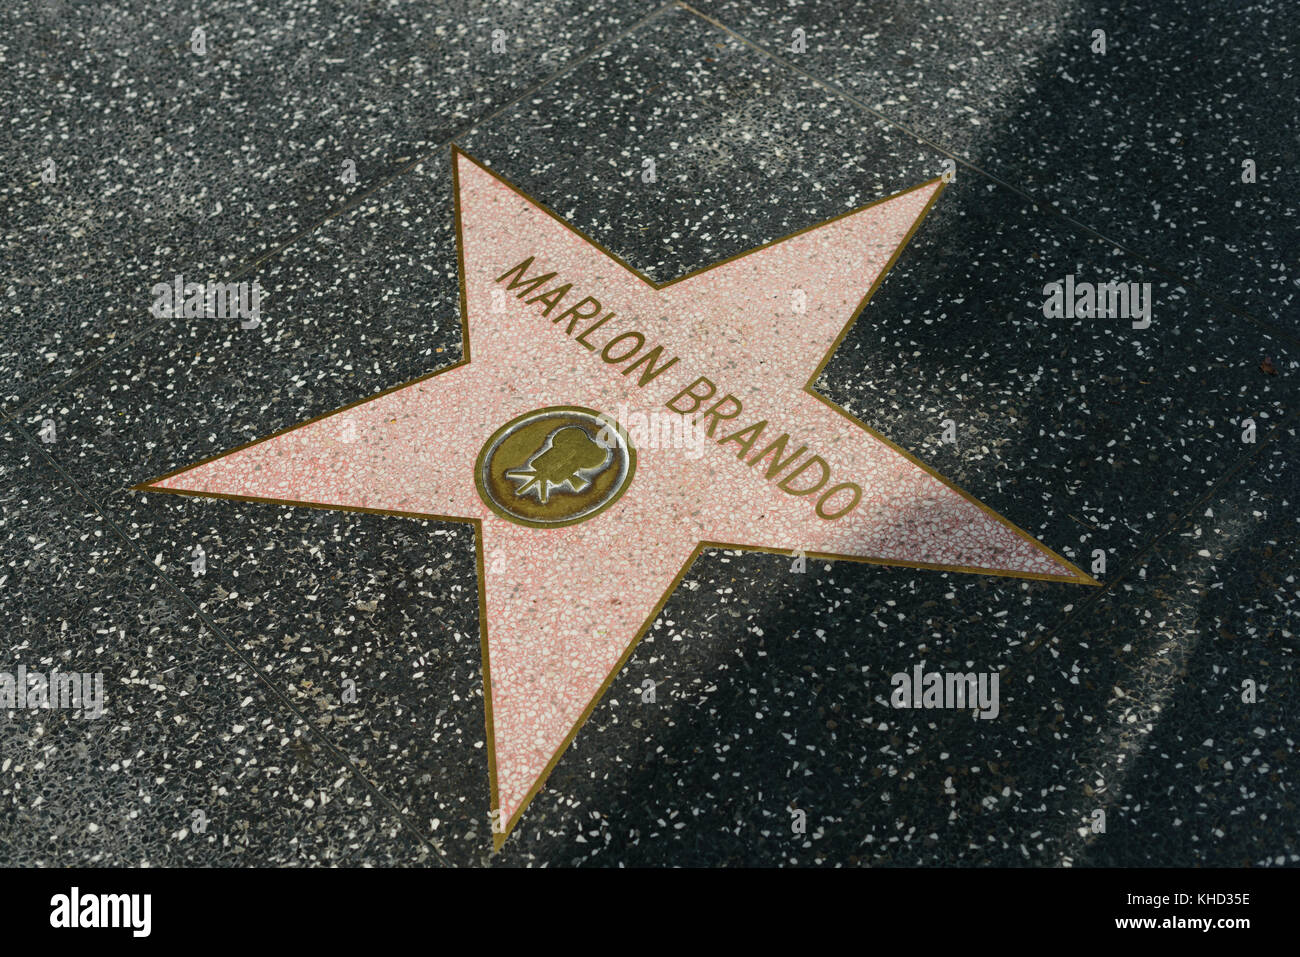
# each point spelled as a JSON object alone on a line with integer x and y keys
{"x": 316, "y": 696}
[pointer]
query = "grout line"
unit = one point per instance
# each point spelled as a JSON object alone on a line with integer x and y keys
{"x": 325, "y": 741}
{"x": 348, "y": 205}
{"x": 1038, "y": 204}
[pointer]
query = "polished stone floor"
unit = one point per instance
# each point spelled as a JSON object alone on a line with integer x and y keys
{"x": 285, "y": 684}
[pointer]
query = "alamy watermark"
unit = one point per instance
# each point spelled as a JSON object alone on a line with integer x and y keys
{"x": 130, "y": 911}
{"x": 947, "y": 689}
{"x": 1106, "y": 300}
{"x": 209, "y": 300}
{"x": 656, "y": 429}
{"x": 25, "y": 690}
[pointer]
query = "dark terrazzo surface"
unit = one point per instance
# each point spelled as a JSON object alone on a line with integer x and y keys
{"x": 771, "y": 686}
{"x": 167, "y": 161}
{"x": 1134, "y": 707}
{"x": 1089, "y": 433}
{"x": 1144, "y": 143}
{"x": 744, "y": 151}
{"x": 192, "y": 761}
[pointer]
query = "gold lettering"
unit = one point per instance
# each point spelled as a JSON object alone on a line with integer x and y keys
{"x": 640, "y": 341}
{"x": 784, "y": 484}
{"x": 713, "y": 414}
{"x": 551, "y": 298}
{"x": 590, "y": 329}
{"x": 690, "y": 390}
{"x": 778, "y": 465}
{"x": 651, "y": 373}
{"x": 745, "y": 444}
{"x": 853, "y": 487}
{"x": 576, "y": 313}
{"x": 528, "y": 284}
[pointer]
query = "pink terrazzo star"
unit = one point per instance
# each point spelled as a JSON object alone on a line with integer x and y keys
{"x": 562, "y": 608}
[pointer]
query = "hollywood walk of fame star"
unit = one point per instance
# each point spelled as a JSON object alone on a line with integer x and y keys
{"x": 564, "y": 335}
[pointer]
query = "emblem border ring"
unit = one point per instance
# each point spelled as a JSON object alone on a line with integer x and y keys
{"x": 625, "y": 458}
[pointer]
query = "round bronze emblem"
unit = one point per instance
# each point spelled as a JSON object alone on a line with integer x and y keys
{"x": 554, "y": 466}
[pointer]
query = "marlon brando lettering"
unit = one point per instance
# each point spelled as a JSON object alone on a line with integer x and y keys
{"x": 793, "y": 468}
